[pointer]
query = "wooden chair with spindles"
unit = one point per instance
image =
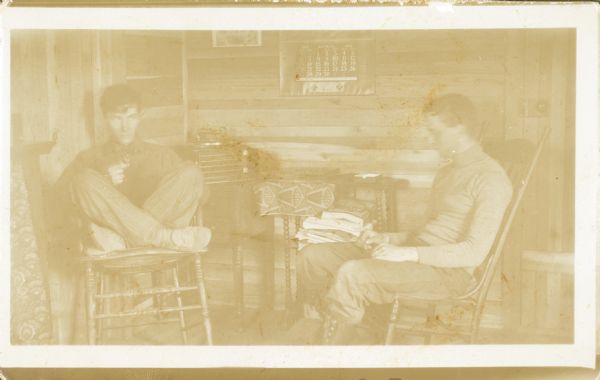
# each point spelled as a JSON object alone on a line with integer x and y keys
{"x": 108, "y": 278}
{"x": 224, "y": 165}
{"x": 519, "y": 158}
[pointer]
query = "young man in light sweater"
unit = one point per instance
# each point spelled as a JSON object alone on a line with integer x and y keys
{"x": 468, "y": 200}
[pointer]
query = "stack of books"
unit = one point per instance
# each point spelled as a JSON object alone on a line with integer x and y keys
{"x": 338, "y": 225}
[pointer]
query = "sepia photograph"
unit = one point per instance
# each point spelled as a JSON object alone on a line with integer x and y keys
{"x": 349, "y": 187}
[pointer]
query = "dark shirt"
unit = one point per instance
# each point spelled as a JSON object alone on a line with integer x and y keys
{"x": 148, "y": 164}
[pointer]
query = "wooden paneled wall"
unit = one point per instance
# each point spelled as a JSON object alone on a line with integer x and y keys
{"x": 540, "y": 94}
{"x": 540, "y": 88}
{"x": 238, "y": 89}
{"x": 521, "y": 81}
{"x": 55, "y": 81}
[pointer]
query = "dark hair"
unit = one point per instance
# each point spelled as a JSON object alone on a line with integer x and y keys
{"x": 456, "y": 109}
{"x": 118, "y": 96}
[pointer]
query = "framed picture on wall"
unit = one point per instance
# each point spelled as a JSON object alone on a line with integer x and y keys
{"x": 235, "y": 38}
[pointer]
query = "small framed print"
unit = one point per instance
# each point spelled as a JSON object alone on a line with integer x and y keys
{"x": 235, "y": 38}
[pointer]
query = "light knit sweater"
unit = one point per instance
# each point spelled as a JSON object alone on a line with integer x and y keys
{"x": 468, "y": 200}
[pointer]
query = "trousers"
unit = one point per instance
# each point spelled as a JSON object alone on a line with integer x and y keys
{"x": 171, "y": 205}
{"x": 347, "y": 280}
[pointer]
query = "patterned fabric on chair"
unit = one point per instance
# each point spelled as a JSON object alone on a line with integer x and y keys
{"x": 30, "y": 304}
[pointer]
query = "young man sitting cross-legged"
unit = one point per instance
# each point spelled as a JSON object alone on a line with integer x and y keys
{"x": 134, "y": 193}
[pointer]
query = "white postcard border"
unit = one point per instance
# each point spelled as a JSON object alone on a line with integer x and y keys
{"x": 580, "y": 16}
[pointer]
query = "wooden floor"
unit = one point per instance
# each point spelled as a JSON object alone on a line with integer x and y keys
{"x": 269, "y": 328}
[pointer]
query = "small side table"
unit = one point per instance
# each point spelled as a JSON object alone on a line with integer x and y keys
{"x": 297, "y": 203}
{"x": 292, "y": 199}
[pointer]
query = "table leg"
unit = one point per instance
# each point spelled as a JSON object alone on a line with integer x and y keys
{"x": 380, "y": 204}
{"x": 91, "y": 303}
{"x": 238, "y": 278}
{"x": 269, "y": 267}
{"x": 390, "y": 202}
{"x": 287, "y": 261}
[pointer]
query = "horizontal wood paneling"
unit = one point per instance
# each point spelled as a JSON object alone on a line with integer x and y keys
{"x": 51, "y": 92}
{"x": 158, "y": 55}
{"x": 158, "y": 91}
{"x": 161, "y": 127}
{"x": 415, "y": 41}
{"x": 238, "y": 89}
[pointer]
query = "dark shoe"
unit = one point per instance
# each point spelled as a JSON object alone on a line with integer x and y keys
{"x": 365, "y": 335}
{"x": 337, "y": 333}
{"x": 303, "y": 332}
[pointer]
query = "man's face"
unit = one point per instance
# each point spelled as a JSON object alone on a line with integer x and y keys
{"x": 123, "y": 124}
{"x": 445, "y": 138}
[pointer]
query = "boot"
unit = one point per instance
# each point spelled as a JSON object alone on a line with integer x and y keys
{"x": 337, "y": 333}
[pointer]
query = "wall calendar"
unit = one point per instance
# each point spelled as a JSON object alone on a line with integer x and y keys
{"x": 330, "y": 63}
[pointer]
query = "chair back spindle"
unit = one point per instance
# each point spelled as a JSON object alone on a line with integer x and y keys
{"x": 519, "y": 160}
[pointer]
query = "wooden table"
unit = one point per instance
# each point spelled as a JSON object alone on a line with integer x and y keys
{"x": 227, "y": 164}
{"x": 345, "y": 184}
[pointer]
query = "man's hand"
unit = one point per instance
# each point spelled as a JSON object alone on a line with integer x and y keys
{"x": 390, "y": 252}
{"x": 116, "y": 172}
{"x": 370, "y": 238}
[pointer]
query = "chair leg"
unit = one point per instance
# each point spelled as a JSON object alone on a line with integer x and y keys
{"x": 124, "y": 282}
{"x": 288, "y": 269}
{"x": 100, "y": 323}
{"x": 182, "y": 326}
{"x": 238, "y": 278}
{"x": 91, "y": 303}
{"x": 389, "y": 336}
{"x": 269, "y": 275}
{"x": 156, "y": 298}
{"x": 431, "y": 310}
{"x": 203, "y": 299}
{"x": 299, "y": 296}
{"x": 76, "y": 308}
{"x": 112, "y": 304}
{"x": 475, "y": 321}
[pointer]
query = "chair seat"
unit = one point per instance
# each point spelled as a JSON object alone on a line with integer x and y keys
{"x": 135, "y": 260}
{"x": 469, "y": 296}
{"x": 103, "y": 269}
